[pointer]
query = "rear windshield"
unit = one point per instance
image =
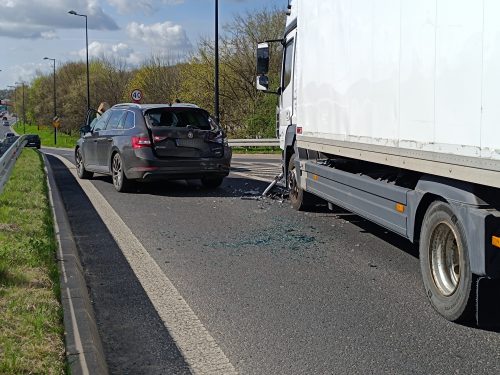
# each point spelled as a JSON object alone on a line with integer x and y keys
{"x": 180, "y": 118}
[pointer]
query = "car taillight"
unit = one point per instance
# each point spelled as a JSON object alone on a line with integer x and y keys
{"x": 140, "y": 142}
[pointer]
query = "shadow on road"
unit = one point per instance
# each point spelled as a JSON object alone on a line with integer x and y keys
{"x": 232, "y": 187}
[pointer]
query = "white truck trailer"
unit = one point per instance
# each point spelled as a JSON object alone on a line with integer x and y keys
{"x": 391, "y": 110}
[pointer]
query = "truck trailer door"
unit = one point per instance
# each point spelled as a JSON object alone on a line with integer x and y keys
{"x": 286, "y": 98}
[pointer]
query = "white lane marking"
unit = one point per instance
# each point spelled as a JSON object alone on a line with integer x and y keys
{"x": 198, "y": 347}
{"x": 252, "y": 177}
{"x": 265, "y": 172}
{"x": 78, "y": 340}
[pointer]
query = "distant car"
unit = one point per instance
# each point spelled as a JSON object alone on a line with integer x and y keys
{"x": 33, "y": 140}
{"x": 10, "y": 138}
{"x": 133, "y": 142}
{"x": 5, "y": 123}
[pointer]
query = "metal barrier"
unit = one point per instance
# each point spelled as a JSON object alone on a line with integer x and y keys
{"x": 8, "y": 159}
{"x": 264, "y": 142}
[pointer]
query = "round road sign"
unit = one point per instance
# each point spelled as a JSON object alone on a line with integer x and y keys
{"x": 136, "y": 95}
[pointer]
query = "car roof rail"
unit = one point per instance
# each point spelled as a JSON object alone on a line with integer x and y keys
{"x": 127, "y": 105}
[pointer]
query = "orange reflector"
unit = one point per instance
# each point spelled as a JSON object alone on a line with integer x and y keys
{"x": 400, "y": 207}
{"x": 495, "y": 241}
{"x": 315, "y": 177}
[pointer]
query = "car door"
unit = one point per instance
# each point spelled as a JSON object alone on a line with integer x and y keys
{"x": 105, "y": 139}
{"x": 287, "y": 90}
{"x": 91, "y": 139}
{"x": 87, "y": 136}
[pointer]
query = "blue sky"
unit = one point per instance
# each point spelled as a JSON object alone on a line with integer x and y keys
{"x": 128, "y": 29}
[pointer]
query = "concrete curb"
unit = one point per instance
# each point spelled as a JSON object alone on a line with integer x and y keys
{"x": 84, "y": 350}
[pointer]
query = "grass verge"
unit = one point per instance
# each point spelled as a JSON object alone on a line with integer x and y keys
{"x": 256, "y": 150}
{"x": 46, "y": 134}
{"x": 31, "y": 326}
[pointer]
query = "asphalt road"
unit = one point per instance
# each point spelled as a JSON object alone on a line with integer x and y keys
{"x": 282, "y": 292}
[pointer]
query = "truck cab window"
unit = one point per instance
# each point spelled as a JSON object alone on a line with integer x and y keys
{"x": 287, "y": 64}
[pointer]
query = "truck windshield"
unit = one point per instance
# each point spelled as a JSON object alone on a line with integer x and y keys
{"x": 180, "y": 118}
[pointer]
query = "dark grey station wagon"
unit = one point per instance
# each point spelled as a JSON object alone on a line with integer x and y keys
{"x": 133, "y": 142}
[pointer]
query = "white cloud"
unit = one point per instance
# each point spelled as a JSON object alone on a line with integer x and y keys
{"x": 40, "y": 18}
{"x": 120, "y": 51}
{"x": 146, "y": 6}
{"x": 164, "y": 38}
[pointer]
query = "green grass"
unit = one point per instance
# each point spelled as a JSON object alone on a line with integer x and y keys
{"x": 256, "y": 150}
{"x": 31, "y": 327}
{"x": 46, "y": 134}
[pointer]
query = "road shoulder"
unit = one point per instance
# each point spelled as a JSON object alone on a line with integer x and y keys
{"x": 83, "y": 345}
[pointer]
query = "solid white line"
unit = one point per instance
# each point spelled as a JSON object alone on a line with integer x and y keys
{"x": 252, "y": 177}
{"x": 78, "y": 340}
{"x": 198, "y": 347}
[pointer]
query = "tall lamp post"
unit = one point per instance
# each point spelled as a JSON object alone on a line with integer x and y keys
{"x": 24, "y": 108}
{"x": 55, "y": 106}
{"x": 15, "y": 95}
{"x": 216, "y": 84}
{"x": 72, "y": 12}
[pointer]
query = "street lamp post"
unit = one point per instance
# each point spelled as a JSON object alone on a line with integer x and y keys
{"x": 216, "y": 84}
{"x": 24, "y": 108}
{"x": 72, "y": 12}
{"x": 15, "y": 95}
{"x": 55, "y": 106}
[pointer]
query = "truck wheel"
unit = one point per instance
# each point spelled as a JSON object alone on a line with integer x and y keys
{"x": 300, "y": 199}
{"x": 444, "y": 262}
{"x": 80, "y": 167}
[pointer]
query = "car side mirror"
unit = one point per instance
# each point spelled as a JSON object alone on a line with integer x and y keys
{"x": 85, "y": 129}
{"x": 263, "y": 58}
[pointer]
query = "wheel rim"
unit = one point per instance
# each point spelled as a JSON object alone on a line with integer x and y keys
{"x": 117, "y": 171}
{"x": 79, "y": 162}
{"x": 292, "y": 184}
{"x": 445, "y": 253}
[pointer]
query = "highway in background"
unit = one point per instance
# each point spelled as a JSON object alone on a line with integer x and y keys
{"x": 281, "y": 292}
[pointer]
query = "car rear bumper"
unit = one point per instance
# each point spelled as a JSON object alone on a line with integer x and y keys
{"x": 144, "y": 165}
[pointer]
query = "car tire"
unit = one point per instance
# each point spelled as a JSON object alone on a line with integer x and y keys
{"x": 212, "y": 182}
{"x": 121, "y": 183}
{"x": 301, "y": 200}
{"x": 445, "y": 264}
{"x": 80, "y": 166}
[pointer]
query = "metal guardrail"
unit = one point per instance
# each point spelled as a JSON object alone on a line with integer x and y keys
{"x": 263, "y": 142}
{"x": 8, "y": 159}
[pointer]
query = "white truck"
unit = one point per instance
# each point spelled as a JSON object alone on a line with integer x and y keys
{"x": 391, "y": 110}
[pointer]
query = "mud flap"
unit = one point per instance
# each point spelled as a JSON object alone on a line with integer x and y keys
{"x": 488, "y": 303}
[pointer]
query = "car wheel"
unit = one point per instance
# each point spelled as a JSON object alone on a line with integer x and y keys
{"x": 445, "y": 266}
{"x": 212, "y": 182}
{"x": 120, "y": 181}
{"x": 80, "y": 167}
{"x": 301, "y": 200}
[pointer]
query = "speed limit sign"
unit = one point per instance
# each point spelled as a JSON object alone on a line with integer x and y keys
{"x": 136, "y": 95}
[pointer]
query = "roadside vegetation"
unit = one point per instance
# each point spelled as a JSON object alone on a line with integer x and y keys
{"x": 46, "y": 134}
{"x": 31, "y": 327}
{"x": 245, "y": 113}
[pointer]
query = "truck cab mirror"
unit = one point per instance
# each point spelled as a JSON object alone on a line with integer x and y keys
{"x": 262, "y": 83}
{"x": 262, "y": 58}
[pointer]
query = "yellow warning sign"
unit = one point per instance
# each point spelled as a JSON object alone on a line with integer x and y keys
{"x": 56, "y": 122}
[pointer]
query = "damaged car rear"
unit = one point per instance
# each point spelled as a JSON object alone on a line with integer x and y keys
{"x": 133, "y": 142}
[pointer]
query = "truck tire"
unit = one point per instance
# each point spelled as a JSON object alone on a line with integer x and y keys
{"x": 445, "y": 266}
{"x": 300, "y": 199}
